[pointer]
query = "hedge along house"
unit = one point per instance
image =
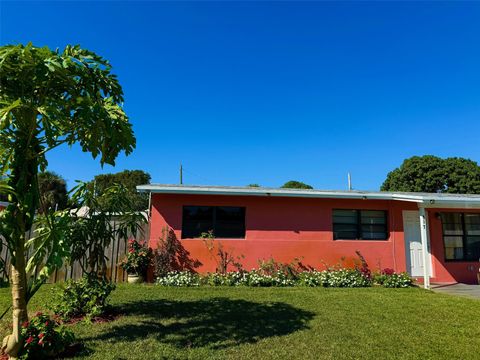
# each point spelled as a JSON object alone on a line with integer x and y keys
{"x": 402, "y": 231}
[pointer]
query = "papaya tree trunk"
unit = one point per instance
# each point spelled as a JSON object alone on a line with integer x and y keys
{"x": 19, "y": 216}
{"x": 13, "y": 342}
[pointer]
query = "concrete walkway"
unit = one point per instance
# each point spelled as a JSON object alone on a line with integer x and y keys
{"x": 471, "y": 291}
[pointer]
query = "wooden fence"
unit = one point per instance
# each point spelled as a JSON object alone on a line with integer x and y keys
{"x": 115, "y": 253}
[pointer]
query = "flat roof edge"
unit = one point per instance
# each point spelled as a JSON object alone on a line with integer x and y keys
{"x": 275, "y": 192}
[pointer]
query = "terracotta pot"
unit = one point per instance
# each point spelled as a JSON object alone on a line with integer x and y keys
{"x": 135, "y": 279}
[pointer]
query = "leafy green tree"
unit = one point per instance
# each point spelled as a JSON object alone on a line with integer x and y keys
{"x": 253, "y": 185}
{"x": 49, "y": 98}
{"x": 293, "y": 184}
{"x": 99, "y": 220}
{"x": 128, "y": 178}
{"x": 3, "y": 195}
{"x": 433, "y": 174}
{"x": 53, "y": 192}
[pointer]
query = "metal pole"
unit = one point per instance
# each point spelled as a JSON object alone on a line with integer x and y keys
{"x": 181, "y": 174}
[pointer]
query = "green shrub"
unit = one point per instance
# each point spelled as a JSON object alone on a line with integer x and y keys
{"x": 285, "y": 270}
{"x": 390, "y": 279}
{"x": 401, "y": 280}
{"x": 87, "y": 297}
{"x": 44, "y": 338}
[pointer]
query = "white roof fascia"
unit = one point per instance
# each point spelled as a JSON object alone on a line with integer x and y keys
{"x": 422, "y": 199}
{"x": 206, "y": 190}
{"x": 451, "y": 205}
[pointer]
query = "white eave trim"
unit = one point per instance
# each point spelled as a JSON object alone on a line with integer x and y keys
{"x": 422, "y": 199}
{"x": 240, "y": 191}
{"x": 445, "y": 204}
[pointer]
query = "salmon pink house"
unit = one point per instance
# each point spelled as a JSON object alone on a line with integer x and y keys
{"x": 433, "y": 237}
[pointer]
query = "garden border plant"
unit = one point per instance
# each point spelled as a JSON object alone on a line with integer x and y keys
{"x": 273, "y": 274}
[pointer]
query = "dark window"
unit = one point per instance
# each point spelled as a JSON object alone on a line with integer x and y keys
{"x": 359, "y": 224}
{"x": 225, "y": 221}
{"x": 196, "y": 220}
{"x": 461, "y": 236}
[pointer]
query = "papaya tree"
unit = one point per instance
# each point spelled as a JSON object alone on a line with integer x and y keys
{"x": 49, "y": 98}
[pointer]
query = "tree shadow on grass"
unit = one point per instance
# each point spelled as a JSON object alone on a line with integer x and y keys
{"x": 215, "y": 323}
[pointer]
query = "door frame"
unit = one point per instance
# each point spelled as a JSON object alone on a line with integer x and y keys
{"x": 407, "y": 244}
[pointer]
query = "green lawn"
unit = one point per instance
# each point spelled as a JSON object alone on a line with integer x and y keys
{"x": 279, "y": 323}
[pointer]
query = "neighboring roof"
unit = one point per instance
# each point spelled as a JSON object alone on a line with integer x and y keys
{"x": 425, "y": 199}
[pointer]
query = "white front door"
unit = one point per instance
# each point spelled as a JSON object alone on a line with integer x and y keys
{"x": 413, "y": 244}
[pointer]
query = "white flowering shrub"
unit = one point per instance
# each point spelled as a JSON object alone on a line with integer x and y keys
{"x": 390, "y": 279}
{"x": 179, "y": 278}
{"x": 350, "y": 278}
{"x": 401, "y": 280}
{"x": 346, "y": 278}
{"x": 313, "y": 278}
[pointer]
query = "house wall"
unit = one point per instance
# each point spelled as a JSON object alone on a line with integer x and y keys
{"x": 286, "y": 228}
{"x": 448, "y": 271}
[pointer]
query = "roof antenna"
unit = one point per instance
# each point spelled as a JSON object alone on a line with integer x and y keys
{"x": 181, "y": 174}
{"x": 349, "y": 182}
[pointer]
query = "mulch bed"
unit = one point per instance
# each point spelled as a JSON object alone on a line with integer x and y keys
{"x": 107, "y": 317}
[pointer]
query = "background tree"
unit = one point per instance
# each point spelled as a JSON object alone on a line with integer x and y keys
{"x": 293, "y": 184}
{"x": 433, "y": 174}
{"x": 49, "y": 98}
{"x": 53, "y": 192}
{"x": 253, "y": 185}
{"x": 129, "y": 179}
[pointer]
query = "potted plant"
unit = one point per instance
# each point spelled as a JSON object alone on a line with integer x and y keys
{"x": 136, "y": 261}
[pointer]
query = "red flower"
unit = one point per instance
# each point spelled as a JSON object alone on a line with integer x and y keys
{"x": 29, "y": 340}
{"x": 40, "y": 342}
{"x": 131, "y": 250}
{"x": 388, "y": 271}
{"x": 46, "y": 323}
{"x": 41, "y": 335}
{"x": 25, "y": 324}
{"x": 39, "y": 313}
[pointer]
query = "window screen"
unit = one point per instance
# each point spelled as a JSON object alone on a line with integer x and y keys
{"x": 360, "y": 224}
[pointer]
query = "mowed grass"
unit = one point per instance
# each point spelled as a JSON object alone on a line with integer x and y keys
{"x": 278, "y": 323}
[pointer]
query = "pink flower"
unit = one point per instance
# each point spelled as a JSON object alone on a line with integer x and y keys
{"x": 25, "y": 324}
{"x": 41, "y": 335}
{"x": 46, "y": 323}
{"x": 29, "y": 340}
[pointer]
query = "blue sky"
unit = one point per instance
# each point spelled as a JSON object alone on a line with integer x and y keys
{"x": 245, "y": 92}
